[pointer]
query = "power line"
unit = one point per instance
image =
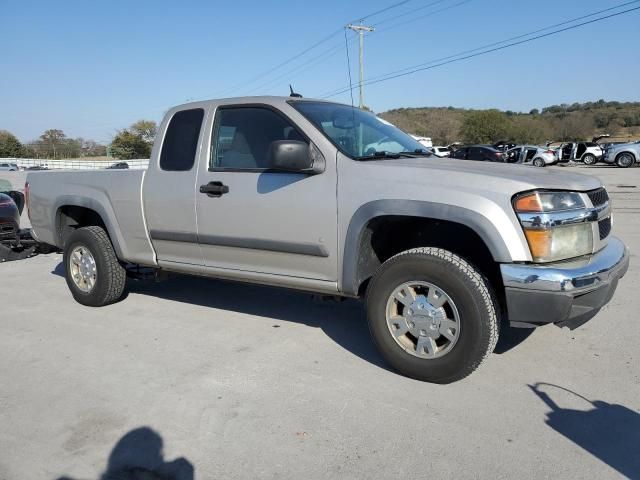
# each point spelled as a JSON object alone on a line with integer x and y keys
{"x": 377, "y": 12}
{"x": 409, "y": 12}
{"x": 324, "y": 55}
{"x": 282, "y": 64}
{"x": 573, "y": 20}
{"x": 315, "y": 45}
{"x": 307, "y": 50}
{"x": 456, "y": 58}
{"x": 333, "y": 50}
{"x": 421, "y": 17}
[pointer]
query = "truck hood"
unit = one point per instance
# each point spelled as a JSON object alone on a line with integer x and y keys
{"x": 496, "y": 177}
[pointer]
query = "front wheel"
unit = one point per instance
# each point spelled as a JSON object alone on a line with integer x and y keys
{"x": 625, "y": 160}
{"x": 538, "y": 162}
{"x": 589, "y": 159}
{"x": 92, "y": 270}
{"x": 432, "y": 315}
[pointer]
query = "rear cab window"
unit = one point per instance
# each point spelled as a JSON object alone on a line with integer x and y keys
{"x": 181, "y": 141}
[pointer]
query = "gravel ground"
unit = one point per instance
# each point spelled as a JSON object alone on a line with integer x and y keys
{"x": 198, "y": 378}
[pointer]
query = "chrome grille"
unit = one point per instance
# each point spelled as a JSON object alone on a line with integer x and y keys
{"x": 604, "y": 226}
{"x": 598, "y": 197}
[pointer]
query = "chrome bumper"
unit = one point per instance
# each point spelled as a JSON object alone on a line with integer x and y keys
{"x": 567, "y": 293}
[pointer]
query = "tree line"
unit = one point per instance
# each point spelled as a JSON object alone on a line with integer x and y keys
{"x": 132, "y": 142}
{"x": 567, "y": 122}
{"x": 52, "y": 144}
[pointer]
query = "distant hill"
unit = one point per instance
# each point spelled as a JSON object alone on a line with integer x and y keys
{"x": 578, "y": 121}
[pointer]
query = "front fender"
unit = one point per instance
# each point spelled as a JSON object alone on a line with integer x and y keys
{"x": 480, "y": 224}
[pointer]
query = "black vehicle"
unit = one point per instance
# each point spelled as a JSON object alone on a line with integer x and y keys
{"x": 480, "y": 153}
{"x": 9, "y": 219}
{"x": 118, "y": 166}
{"x": 37, "y": 167}
{"x": 15, "y": 244}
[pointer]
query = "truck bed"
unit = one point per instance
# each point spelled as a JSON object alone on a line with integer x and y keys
{"x": 116, "y": 195}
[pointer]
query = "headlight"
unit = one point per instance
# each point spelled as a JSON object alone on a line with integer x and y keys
{"x": 556, "y": 224}
{"x": 548, "y": 202}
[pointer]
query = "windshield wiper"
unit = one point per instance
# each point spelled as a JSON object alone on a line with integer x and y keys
{"x": 420, "y": 153}
{"x": 379, "y": 155}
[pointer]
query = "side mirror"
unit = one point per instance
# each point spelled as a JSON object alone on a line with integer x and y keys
{"x": 295, "y": 156}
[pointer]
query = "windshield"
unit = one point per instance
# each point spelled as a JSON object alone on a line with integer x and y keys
{"x": 357, "y": 133}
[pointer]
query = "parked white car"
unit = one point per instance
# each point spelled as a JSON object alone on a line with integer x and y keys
{"x": 9, "y": 167}
{"x": 441, "y": 151}
{"x": 587, "y": 152}
{"x": 531, "y": 155}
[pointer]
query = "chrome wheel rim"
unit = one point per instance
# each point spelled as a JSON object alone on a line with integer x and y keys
{"x": 82, "y": 267}
{"x": 423, "y": 319}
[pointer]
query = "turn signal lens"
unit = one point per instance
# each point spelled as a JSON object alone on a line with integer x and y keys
{"x": 542, "y": 201}
{"x": 528, "y": 203}
{"x": 539, "y": 243}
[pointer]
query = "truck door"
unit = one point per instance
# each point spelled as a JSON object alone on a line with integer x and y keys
{"x": 258, "y": 219}
{"x": 168, "y": 189}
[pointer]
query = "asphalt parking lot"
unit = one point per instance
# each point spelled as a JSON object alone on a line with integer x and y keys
{"x": 206, "y": 379}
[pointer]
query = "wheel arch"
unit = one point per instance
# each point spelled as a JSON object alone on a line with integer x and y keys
{"x": 71, "y": 214}
{"x": 363, "y": 252}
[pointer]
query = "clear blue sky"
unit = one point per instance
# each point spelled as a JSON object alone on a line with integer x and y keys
{"x": 90, "y": 68}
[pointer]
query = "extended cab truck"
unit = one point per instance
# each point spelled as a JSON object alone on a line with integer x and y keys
{"x": 289, "y": 192}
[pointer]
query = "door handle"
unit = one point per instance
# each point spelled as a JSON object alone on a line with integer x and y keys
{"x": 214, "y": 189}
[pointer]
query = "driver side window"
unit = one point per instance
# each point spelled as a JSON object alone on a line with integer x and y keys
{"x": 242, "y": 137}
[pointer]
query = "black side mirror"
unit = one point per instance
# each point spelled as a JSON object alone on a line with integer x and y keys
{"x": 295, "y": 156}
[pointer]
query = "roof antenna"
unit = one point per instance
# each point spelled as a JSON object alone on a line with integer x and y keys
{"x": 294, "y": 94}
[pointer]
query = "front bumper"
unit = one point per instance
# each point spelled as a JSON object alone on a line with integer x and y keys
{"x": 567, "y": 294}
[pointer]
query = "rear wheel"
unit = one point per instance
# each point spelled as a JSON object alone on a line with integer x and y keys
{"x": 625, "y": 160}
{"x": 432, "y": 315}
{"x": 92, "y": 270}
{"x": 538, "y": 162}
{"x": 589, "y": 159}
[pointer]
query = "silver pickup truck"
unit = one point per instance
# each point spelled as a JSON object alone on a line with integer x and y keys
{"x": 330, "y": 199}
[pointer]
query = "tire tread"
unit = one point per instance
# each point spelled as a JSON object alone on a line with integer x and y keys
{"x": 480, "y": 283}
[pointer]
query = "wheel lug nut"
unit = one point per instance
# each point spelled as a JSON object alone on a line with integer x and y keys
{"x": 423, "y": 332}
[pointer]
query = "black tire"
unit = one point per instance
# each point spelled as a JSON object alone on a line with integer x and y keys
{"x": 625, "y": 160}
{"x": 467, "y": 288}
{"x": 110, "y": 274}
{"x": 538, "y": 162}
{"x": 589, "y": 159}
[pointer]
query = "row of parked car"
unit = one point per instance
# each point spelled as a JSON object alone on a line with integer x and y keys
{"x": 621, "y": 154}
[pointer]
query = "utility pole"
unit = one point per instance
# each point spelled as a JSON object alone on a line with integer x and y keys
{"x": 360, "y": 29}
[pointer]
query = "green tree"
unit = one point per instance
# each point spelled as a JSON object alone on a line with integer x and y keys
{"x": 128, "y": 145}
{"x": 485, "y": 126}
{"x": 146, "y": 129}
{"x": 10, "y": 146}
{"x": 53, "y": 139}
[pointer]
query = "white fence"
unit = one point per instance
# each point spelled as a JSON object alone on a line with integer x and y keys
{"x": 77, "y": 164}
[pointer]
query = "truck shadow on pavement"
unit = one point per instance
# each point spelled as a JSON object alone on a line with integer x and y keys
{"x": 138, "y": 455}
{"x": 607, "y": 431}
{"x": 343, "y": 321}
